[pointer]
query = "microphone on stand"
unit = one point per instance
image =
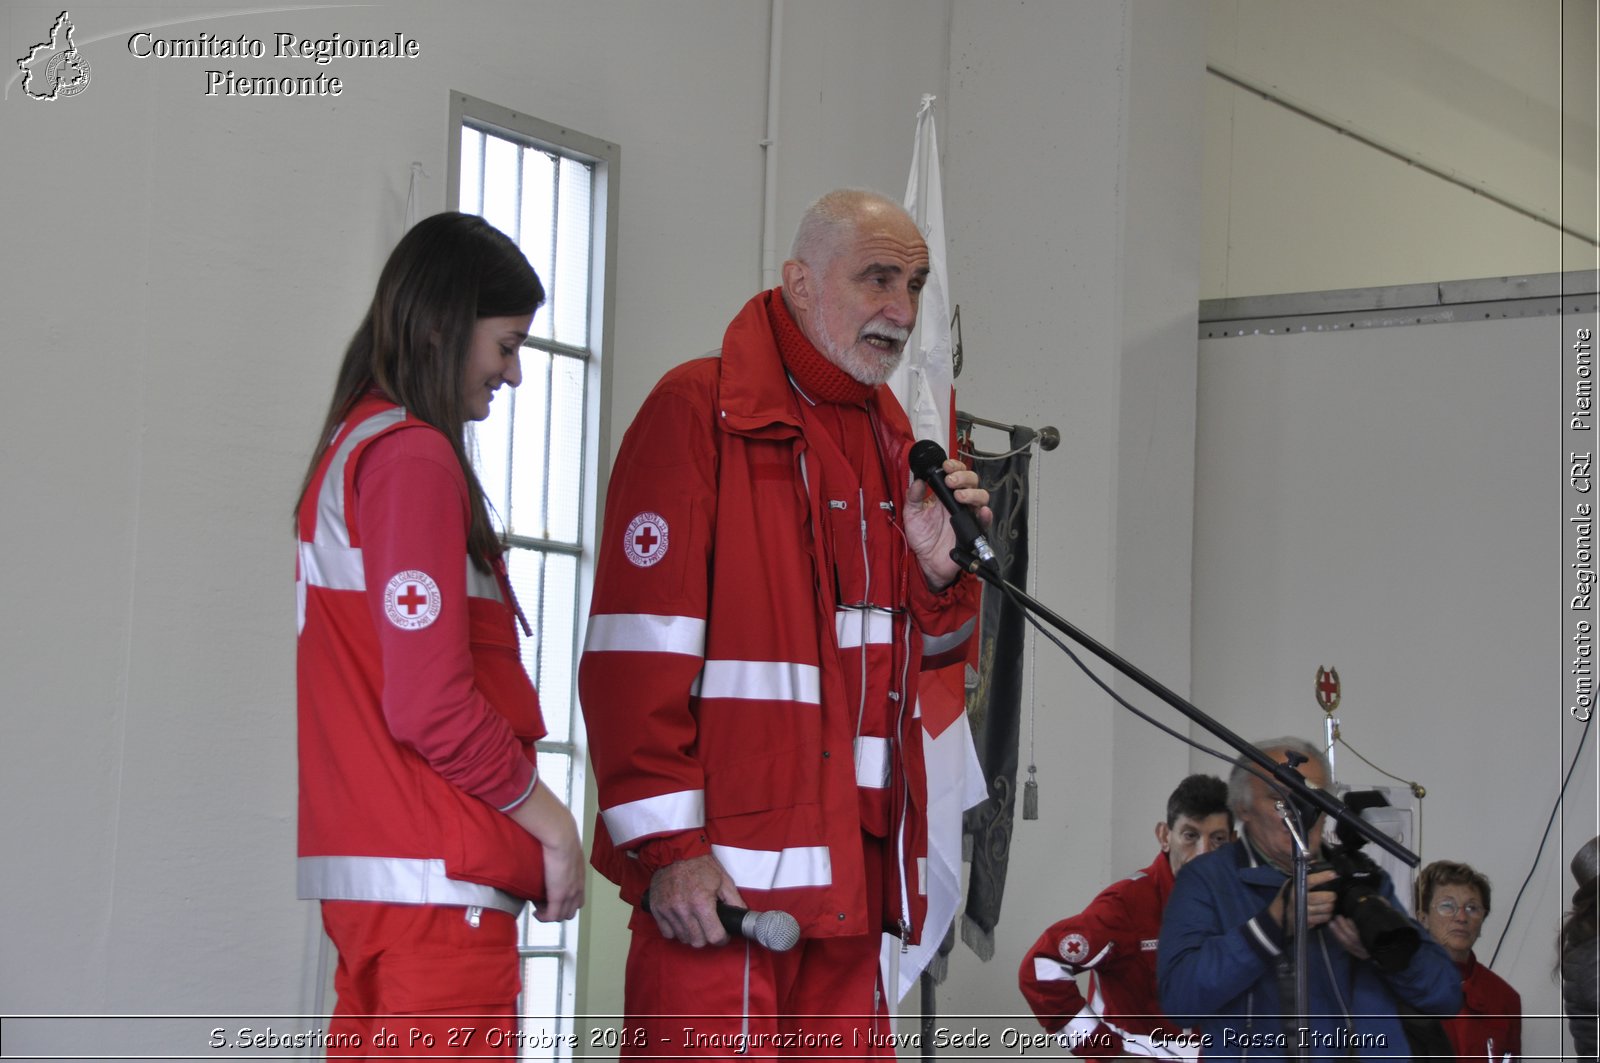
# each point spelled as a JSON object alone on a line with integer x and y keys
{"x": 927, "y": 463}
{"x": 777, "y": 931}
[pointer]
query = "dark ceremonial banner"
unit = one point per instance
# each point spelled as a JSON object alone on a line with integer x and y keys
{"x": 994, "y": 707}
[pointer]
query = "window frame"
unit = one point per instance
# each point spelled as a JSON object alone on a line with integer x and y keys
{"x": 605, "y": 159}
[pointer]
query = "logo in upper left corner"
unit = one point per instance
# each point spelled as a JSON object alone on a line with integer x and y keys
{"x": 55, "y": 69}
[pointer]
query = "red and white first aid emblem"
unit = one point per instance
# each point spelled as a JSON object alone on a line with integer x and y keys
{"x": 645, "y": 541}
{"x": 412, "y": 600}
{"x": 1074, "y": 948}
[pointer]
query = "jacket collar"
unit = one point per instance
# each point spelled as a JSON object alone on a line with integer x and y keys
{"x": 1160, "y": 870}
{"x": 1252, "y": 868}
{"x": 755, "y": 394}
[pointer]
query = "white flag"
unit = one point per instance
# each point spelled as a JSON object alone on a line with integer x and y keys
{"x": 925, "y": 380}
{"x": 925, "y": 386}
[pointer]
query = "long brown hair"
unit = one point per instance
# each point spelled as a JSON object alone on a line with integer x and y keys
{"x": 448, "y": 271}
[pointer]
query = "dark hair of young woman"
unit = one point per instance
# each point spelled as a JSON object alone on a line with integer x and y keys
{"x": 448, "y": 271}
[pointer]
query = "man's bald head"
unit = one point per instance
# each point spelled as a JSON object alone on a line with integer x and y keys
{"x": 854, "y": 278}
{"x": 829, "y": 222}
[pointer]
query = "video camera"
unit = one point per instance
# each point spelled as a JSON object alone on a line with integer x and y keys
{"x": 1389, "y": 937}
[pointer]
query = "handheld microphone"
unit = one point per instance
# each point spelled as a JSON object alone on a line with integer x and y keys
{"x": 777, "y": 931}
{"x": 927, "y": 463}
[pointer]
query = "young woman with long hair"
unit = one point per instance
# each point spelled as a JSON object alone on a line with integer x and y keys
{"x": 424, "y": 829}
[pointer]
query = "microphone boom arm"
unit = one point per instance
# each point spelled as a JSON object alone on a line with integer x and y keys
{"x": 1282, "y": 774}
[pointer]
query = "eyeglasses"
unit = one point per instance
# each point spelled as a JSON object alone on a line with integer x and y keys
{"x": 1448, "y": 909}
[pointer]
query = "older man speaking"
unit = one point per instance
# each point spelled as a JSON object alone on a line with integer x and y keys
{"x": 770, "y": 582}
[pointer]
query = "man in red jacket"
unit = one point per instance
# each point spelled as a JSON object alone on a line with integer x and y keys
{"x": 1114, "y": 941}
{"x": 769, "y": 583}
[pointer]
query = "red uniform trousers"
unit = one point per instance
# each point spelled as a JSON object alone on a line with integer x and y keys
{"x": 822, "y": 998}
{"x": 422, "y": 975}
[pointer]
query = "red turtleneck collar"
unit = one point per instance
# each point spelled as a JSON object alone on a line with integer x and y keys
{"x": 816, "y": 376}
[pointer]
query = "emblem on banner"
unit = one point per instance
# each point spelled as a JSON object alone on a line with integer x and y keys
{"x": 1328, "y": 689}
{"x": 645, "y": 541}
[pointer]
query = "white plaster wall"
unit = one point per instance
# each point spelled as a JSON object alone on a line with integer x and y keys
{"x": 1074, "y": 152}
{"x": 1388, "y": 503}
{"x": 1499, "y": 93}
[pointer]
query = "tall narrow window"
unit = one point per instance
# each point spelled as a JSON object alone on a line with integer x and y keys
{"x": 538, "y": 455}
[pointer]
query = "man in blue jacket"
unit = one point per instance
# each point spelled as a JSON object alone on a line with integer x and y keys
{"x": 1226, "y": 958}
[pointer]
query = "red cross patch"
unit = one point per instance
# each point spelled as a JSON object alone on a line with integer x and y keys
{"x": 1074, "y": 948}
{"x": 412, "y": 600}
{"x": 645, "y": 541}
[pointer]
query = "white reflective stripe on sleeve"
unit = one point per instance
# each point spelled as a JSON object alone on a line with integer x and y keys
{"x": 759, "y": 681}
{"x": 339, "y": 568}
{"x": 336, "y": 568}
{"x": 645, "y": 633}
{"x": 1077, "y": 1032}
{"x": 849, "y": 625}
{"x": 481, "y": 584}
{"x": 768, "y": 869}
{"x": 331, "y": 528}
{"x": 1047, "y": 970}
{"x": 395, "y": 880}
{"x": 872, "y": 762}
{"x": 933, "y": 645}
{"x": 666, "y": 814}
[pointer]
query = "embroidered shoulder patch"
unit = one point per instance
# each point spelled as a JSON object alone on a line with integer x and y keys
{"x": 645, "y": 541}
{"x": 412, "y": 600}
{"x": 1074, "y": 948}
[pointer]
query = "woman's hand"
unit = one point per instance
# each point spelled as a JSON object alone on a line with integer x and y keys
{"x": 548, "y": 820}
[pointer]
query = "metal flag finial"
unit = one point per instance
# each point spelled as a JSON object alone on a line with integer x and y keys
{"x": 1328, "y": 689}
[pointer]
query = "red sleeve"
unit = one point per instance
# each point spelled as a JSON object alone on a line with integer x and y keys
{"x": 646, "y": 639}
{"x": 664, "y": 849}
{"x": 1083, "y": 942}
{"x": 1048, "y": 983}
{"x": 412, "y": 516}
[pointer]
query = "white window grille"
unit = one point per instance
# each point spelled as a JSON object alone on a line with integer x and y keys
{"x": 539, "y": 454}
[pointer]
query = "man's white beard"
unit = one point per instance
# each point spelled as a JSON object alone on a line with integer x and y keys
{"x": 862, "y": 363}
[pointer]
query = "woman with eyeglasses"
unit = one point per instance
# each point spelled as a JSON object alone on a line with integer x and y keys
{"x": 1452, "y": 900}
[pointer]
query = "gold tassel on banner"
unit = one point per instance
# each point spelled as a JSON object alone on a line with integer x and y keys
{"x": 1030, "y": 786}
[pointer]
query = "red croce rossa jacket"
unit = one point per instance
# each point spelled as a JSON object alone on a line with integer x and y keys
{"x": 710, "y": 677}
{"x": 417, "y": 721}
{"x": 1114, "y": 940}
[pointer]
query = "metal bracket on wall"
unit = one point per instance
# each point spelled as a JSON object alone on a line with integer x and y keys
{"x": 1536, "y": 295}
